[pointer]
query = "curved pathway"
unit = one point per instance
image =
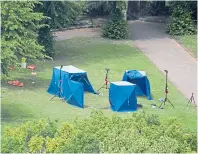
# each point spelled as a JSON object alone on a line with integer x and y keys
{"x": 167, "y": 54}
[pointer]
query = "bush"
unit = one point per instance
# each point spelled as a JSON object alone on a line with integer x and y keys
{"x": 181, "y": 22}
{"x": 116, "y": 29}
{"x": 138, "y": 133}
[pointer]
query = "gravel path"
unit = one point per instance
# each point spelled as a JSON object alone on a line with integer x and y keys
{"x": 163, "y": 51}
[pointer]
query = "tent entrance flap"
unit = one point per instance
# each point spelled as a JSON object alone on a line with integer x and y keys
{"x": 77, "y": 94}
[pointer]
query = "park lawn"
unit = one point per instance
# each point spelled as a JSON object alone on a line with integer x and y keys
{"x": 31, "y": 102}
{"x": 189, "y": 42}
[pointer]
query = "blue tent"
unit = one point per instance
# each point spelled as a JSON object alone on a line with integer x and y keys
{"x": 122, "y": 96}
{"x": 140, "y": 79}
{"x": 73, "y": 84}
{"x": 74, "y": 93}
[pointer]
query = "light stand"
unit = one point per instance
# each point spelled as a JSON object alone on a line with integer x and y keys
{"x": 191, "y": 100}
{"x": 105, "y": 85}
{"x": 166, "y": 92}
{"x": 59, "y": 93}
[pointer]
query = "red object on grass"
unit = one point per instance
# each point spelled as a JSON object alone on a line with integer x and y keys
{"x": 14, "y": 82}
{"x": 20, "y": 84}
{"x": 31, "y": 67}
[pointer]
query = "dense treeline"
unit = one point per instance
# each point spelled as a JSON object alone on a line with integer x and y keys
{"x": 138, "y": 133}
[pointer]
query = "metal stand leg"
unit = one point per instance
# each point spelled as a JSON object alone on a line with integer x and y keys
{"x": 192, "y": 100}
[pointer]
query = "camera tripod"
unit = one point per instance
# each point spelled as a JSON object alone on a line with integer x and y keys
{"x": 59, "y": 93}
{"x": 105, "y": 85}
{"x": 192, "y": 100}
{"x": 166, "y": 92}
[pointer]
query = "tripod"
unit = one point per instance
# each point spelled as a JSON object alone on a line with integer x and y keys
{"x": 59, "y": 93}
{"x": 166, "y": 92}
{"x": 105, "y": 85}
{"x": 191, "y": 100}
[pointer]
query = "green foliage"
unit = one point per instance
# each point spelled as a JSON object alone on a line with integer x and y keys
{"x": 158, "y": 8}
{"x": 82, "y": 143}
{"x": 19, "y": 29}
{"x": 61, "y": 13}
{"x": 29, "y": 137}
{"x": 45, "y": 38}
{"x": 102, "y": 8}
{"x": 121, "y": 5}
{"x": 35, "y": 144}
{"x": 139, "y": 133}
{"x": 181, "y": 22}
{"x": 116, "y": 29}
{"x": 191, "y": 139}
{"x": 98, "y": 8}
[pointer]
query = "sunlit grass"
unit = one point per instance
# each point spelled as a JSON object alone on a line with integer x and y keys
{"x": 189, "y": 42}
{"x": 93, "y": 55}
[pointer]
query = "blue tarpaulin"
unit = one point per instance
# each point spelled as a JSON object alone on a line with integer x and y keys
{"x": 122, "y": 96}
{"x": 73, "y": 84}
{"x": 140, "y": 79}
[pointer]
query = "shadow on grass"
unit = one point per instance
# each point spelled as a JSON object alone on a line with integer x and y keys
{"x": 92, "y": 107}
{"x": 77, "y": 51}
{"x": 14, "y": 112}
{"x": 84, "y": 50}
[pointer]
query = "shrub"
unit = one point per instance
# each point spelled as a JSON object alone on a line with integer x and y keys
{"x": 116, "y": 29}
{"x": 181, "y": 22}
{"x": 138, "y": 133}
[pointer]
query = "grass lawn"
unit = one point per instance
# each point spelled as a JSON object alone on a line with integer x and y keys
{"x": 93, "y": 55}
{"x": 189, "y": 42}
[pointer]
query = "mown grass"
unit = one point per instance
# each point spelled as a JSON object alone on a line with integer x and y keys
{"x": 31, "y": 102}
{"x": 189, "y": 42}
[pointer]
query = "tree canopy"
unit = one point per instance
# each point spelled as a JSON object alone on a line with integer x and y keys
{"x": 19, "y": 28}
{"x": 26, "y": 28}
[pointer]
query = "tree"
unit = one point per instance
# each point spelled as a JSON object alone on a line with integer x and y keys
{"x": 181, "y": 22}
{"x": 19, "y": 33}
{"x": 97, "y": 8}
{"x": 60, "y": 15}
